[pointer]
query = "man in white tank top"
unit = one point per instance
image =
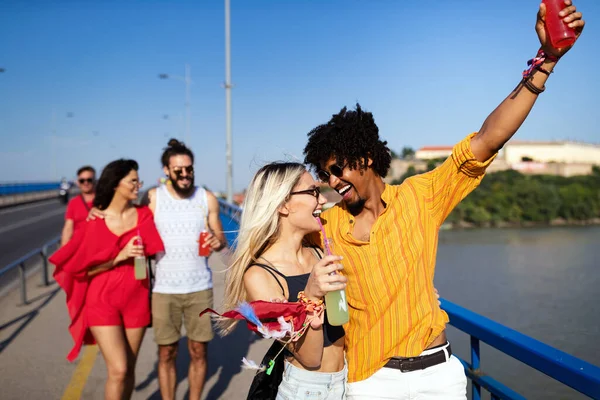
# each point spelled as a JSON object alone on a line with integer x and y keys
{"x": 183, "y": 282}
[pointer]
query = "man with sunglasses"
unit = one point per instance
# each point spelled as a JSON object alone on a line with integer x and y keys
{"x": 183, "y": 283}
{"x": 79, "y": 206}
{"x": 396, "y": 344}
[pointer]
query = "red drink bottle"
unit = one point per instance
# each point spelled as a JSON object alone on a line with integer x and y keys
{"x": 559, "y": 32}
{"x": 203, "y": 251}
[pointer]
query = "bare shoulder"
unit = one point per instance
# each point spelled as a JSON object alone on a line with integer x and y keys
{"x": 213, "y": 202}
{"x": 260, "y": 284}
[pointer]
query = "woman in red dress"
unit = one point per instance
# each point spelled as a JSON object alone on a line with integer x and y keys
{"x": 107, "y": 304}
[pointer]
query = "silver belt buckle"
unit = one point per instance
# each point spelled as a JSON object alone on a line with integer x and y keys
{"x": 402, "y": 367}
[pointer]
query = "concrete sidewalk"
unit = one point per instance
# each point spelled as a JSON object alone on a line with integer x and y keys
{"x": 34, "y": 342}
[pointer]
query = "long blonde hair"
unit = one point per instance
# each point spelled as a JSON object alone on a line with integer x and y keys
{"x": 259, "y": 227}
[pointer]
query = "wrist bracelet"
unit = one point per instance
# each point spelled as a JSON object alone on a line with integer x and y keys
{"x": 531, "y": 87}
{"x": 311, "y": 305}
{"x": 536, "y": 63}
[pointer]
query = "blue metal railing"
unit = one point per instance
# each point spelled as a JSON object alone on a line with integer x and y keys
{"x": 578, "y": 374}
{"x": 20, "y": 188}
{"x": 230, "y": 218}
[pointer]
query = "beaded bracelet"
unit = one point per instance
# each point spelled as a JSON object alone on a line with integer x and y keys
{"x": 311, "y": 305}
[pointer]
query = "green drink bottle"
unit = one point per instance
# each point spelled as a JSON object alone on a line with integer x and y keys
{"x": 139, "y": 263}
{"x": 336, "y": 305}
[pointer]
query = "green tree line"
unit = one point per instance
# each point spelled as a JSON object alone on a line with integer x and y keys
{"x": 509, "y": 197}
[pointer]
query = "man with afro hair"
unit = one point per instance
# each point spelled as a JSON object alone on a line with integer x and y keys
{"x": 396, "y": 344}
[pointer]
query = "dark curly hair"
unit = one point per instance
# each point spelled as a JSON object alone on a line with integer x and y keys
{"x": 175, "y": 148}
{"x": 349, "y": 136}
{"x": 109, "y": 180}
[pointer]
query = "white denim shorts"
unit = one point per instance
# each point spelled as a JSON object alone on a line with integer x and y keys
{"x": 300, "y": 384}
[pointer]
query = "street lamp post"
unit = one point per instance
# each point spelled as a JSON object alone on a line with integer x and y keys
{"x": 187, "y": 79}
{"x": 228, "y": 87}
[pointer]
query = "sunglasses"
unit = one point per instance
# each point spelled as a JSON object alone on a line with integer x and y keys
{"x": 85, "y": 180}
{"x": 316, "y": 192}
{"x": 179, "y": 170}
{"x": 334, "y": 170}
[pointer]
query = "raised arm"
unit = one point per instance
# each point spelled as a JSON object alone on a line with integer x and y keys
{"x": 506, "y": 119}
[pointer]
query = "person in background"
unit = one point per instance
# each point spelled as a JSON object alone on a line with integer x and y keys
{"x": 79, "y": 206}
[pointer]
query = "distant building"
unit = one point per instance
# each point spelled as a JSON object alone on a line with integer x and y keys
{"x": 552, "y": 152}
{"x": 564, "y": 158}
{"x": 433, "y": 152}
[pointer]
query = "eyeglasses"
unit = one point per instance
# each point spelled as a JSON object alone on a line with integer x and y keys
{"x": 179, "y": 170}
{"x": 85, "y": 180}
{"x": 316, "y": 192}
{"x": 334, "y": 170}
{"x": 137, "y": 184}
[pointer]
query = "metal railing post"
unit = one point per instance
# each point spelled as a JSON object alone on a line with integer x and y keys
{"x": 475, "y": 357}
{"x": 44, "y": 253}
{"x": 23, "y": 284}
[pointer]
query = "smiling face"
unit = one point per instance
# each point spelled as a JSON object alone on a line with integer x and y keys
{"x": 129, "y": 186}
{"x": 351, "y": 184}
{"x": 304, "y": 204}
{"x": 181, "y": 174}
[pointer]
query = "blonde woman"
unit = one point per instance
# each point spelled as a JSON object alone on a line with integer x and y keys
{"x": 272, "y": 262}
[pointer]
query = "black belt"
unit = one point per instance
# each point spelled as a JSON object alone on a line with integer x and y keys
{"x": 420, "y": 362}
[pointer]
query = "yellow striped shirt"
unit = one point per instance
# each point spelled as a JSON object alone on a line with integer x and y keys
{"x": 393, "y": 308}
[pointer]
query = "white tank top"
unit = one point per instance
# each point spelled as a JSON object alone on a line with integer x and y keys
{"x": 180, "y": 270}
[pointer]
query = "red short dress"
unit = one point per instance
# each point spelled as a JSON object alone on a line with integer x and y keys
{"x": 113, "y": 297}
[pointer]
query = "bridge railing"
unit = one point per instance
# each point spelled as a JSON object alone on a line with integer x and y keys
{"x": 20, "y": 264}
{"x": 571, "y": 371}
{"x": 7, "y": 189}
{"x": 230, "y": 218}
{"x": 560, "y": 366}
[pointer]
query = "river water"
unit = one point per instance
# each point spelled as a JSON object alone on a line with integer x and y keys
{"x": 542, "y": 282}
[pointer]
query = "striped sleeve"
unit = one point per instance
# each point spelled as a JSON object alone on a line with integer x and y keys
{"x": 448, "y": 184}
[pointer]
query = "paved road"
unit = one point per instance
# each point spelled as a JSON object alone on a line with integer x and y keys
{"x": 26, "y": 227}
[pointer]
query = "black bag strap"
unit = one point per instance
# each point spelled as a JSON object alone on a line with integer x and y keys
{"x": 84, "y": 203}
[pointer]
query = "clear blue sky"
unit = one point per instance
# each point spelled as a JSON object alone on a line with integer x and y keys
{"x": 430, "y": 71}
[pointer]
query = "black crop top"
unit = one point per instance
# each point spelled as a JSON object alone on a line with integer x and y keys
{"x": 296, "y": 284}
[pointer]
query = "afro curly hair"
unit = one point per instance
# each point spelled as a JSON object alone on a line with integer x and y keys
{"x": 351, "y": 136}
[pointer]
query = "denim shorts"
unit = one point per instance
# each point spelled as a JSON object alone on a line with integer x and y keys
{"x": 300, "y": 384}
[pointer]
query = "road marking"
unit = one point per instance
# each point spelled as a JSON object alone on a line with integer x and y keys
{"x": 31, "y": 220}
{"x": 80, "y": 376}
{"x": 13, "y": 209}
